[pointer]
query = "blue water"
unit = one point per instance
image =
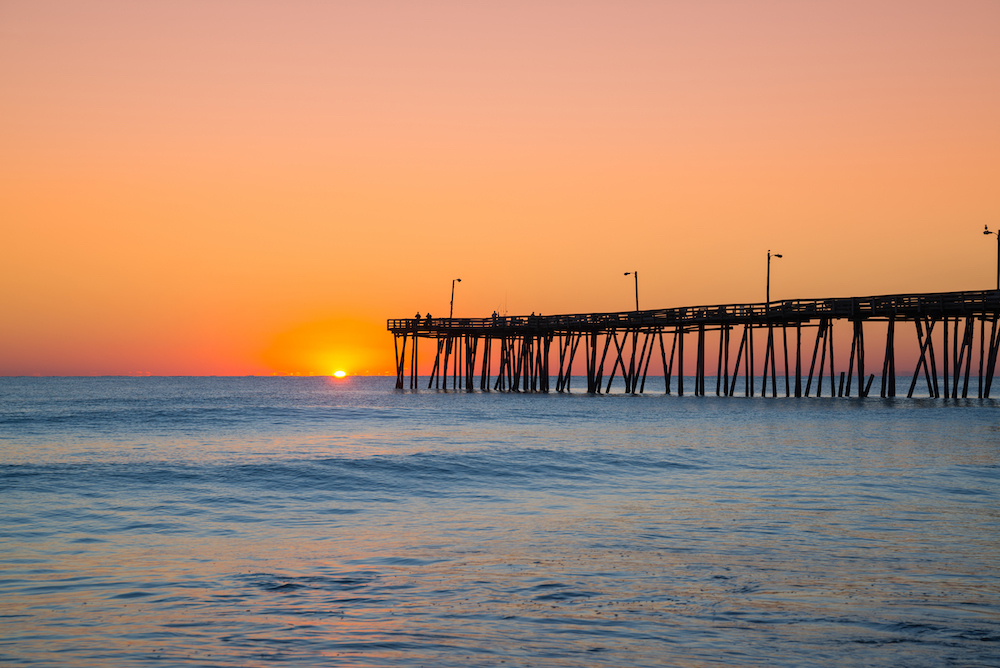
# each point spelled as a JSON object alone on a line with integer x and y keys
{"x": 304, "y": 521}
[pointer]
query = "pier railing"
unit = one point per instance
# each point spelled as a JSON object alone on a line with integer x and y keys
{"x": 905, "y": 306}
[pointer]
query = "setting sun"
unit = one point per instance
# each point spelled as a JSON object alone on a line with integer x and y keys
{"x": 339, "y": 374}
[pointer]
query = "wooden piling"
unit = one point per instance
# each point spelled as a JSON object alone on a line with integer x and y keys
{"x": 931, "y": 356}
{"x": 669, "y": 369}
{"x": 718, "y": 373}
{"x": 921, "y": 361}
{"x": 833, "y": 373}
{"x": 888, "y": 387}
{"x": 816, "y": 347}
{"x": 649, "y": 358}
{"x": 739, "y": 356}
{"x": 680, "y": 361}
{"x": 862, "y": 392}
{"x": 798, "y": 359}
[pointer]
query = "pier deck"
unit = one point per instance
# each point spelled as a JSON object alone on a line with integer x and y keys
{"x": 526, "y": 345}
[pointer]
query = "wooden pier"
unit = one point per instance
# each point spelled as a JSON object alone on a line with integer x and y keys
{"x": 525, "y": 350}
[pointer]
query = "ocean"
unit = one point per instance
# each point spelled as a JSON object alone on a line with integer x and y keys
{"x": 312, "y": 521}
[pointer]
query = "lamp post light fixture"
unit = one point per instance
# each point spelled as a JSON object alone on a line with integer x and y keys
{"x": 628, "y": 273}
{"x": 986, "y": 231}
{"x": 451, "y": 307}
{"x": 767, "y": 306}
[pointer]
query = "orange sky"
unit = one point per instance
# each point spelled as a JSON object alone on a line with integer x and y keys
{"x": 254, "y": 187}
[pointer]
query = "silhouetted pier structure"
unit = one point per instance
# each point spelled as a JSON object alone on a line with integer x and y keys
{"x": 529, "y": 348}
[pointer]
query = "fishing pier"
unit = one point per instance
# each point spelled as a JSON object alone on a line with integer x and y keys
{"x": 519, "y": 353}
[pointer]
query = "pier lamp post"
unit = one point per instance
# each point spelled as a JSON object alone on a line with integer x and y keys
{"x": 767, "y": 306}
{"x": 986, "y": 231}
{"x": 451, "y": 307}
{"x": 629, "y": 273}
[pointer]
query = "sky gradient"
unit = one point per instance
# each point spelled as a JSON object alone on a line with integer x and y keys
{"x": 218, "y": 187}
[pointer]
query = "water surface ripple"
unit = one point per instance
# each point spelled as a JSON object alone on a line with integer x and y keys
{"x": 247, "y": 521}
